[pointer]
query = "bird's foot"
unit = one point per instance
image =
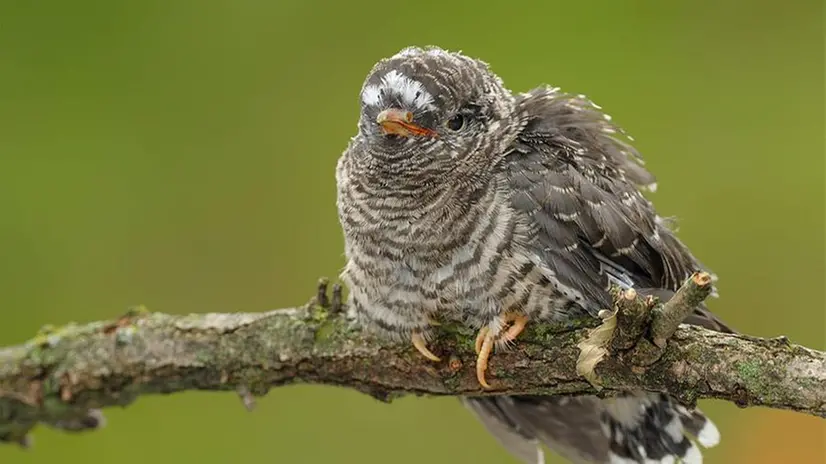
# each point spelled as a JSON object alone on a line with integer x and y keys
{"x": 486, "y": 339}
{"x": 518, "y": 323}
{"x": 421, "y": 346}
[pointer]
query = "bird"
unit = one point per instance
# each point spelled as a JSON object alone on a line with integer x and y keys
{"x": 462, "y": 200}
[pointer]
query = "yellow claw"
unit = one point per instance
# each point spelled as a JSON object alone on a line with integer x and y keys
{"x": 419, "y": 343}
{"x": 484, "y": 346}
{"x": 485, "y": 340}
{"x": 518, "y": 325}
{"x": 480, "y": 338}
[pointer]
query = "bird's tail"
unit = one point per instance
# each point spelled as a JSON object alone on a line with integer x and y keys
{"x": 635, "y": 429}
{"x": 652, "y": 428}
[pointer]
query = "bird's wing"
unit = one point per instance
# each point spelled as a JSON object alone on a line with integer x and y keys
{"x": 573, "y": 174}
{"x": 495, "y": 414}
{"x": 581, "y": 186}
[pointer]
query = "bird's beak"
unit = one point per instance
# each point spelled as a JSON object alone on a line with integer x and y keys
{"x": 398, "y": 122}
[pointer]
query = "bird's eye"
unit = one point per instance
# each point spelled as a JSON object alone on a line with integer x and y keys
{"x": 456, "y": 122}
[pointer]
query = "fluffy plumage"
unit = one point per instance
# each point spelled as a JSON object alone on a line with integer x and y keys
{"x": 531, "y": 205}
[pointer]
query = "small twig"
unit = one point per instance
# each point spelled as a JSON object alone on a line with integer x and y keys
{"x": 632, "y": 318}
{"x": 337, "y": 303}
{"x": 667, "y": 318}
{"x": 246, "y": 397}
{"x": 321, "y": 293}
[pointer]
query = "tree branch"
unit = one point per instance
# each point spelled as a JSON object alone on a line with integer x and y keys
{"x": 63, "y": 376}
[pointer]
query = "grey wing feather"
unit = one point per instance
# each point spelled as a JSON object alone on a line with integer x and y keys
{"x": 564, "y": 424}
{"x": 497, "y": 419}
{"x": 581, "y": 185}
{"x": 520, "y": 423}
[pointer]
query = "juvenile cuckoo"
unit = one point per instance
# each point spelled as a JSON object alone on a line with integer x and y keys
{"x": 461, "y": 200}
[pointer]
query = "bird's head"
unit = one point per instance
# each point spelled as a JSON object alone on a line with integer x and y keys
{"x": 427, "y": 111}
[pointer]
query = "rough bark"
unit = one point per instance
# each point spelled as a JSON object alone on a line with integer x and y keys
{"x": 63, "y": 375}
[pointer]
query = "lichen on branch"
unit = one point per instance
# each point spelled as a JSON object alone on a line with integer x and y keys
{"x": 63, "y": 376}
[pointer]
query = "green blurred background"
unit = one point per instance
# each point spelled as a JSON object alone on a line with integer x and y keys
{"x": 180, "y": 154}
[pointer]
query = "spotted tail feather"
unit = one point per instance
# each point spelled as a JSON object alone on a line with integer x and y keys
{"x": 636, "y": 429}
{"x": 653, "y": 429}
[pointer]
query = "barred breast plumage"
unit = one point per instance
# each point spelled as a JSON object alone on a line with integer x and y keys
{"x": 404, "y": 270}
{"x": 462, "y": 201}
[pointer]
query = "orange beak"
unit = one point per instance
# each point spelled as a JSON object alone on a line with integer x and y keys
{"x": 398, "y": 122}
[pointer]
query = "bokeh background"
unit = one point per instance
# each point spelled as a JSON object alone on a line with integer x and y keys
{"x": 180, "y": 154}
